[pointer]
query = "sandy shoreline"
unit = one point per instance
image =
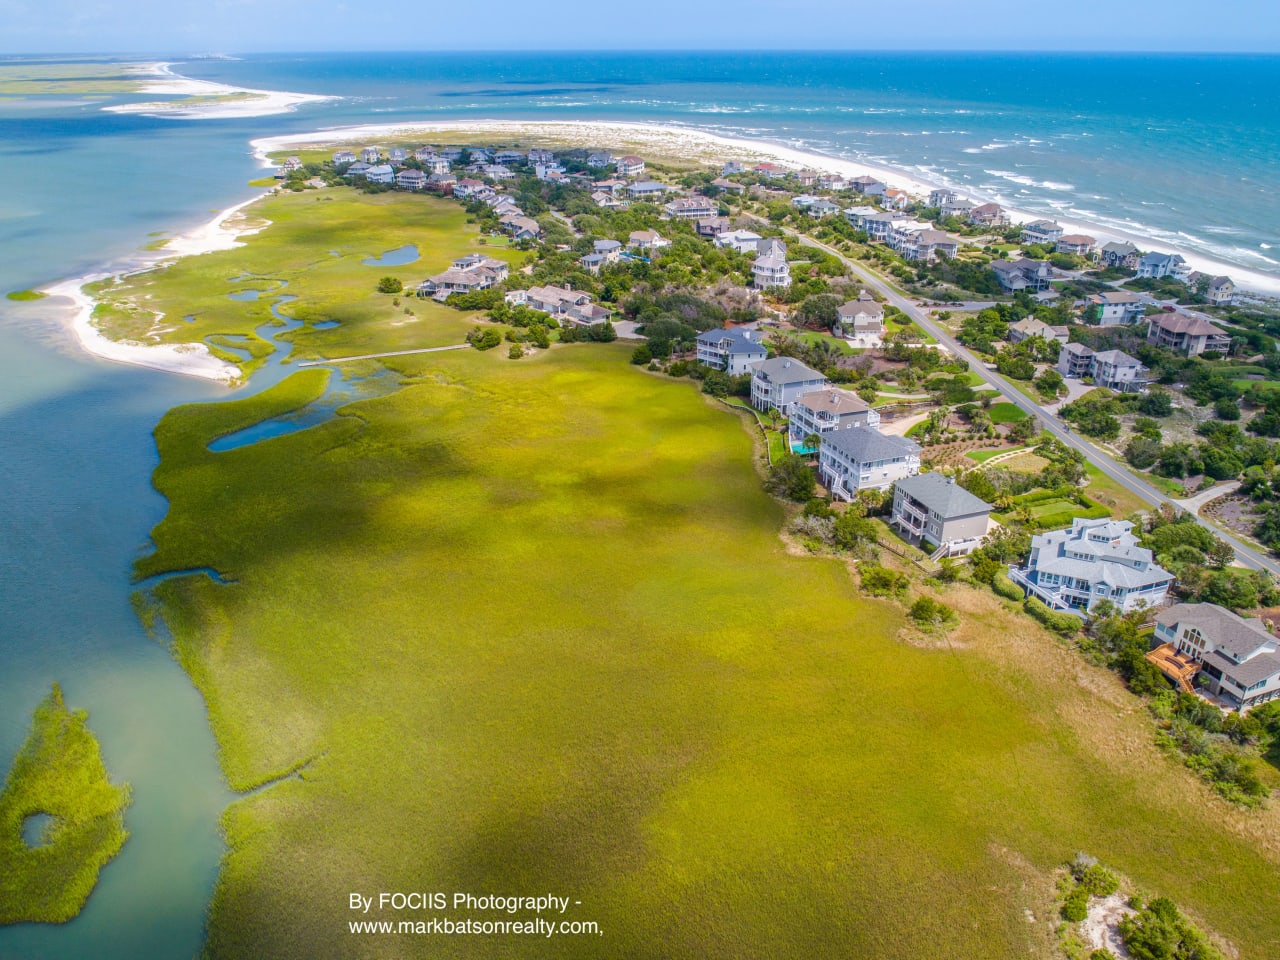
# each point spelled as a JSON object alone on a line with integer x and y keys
{"x": 248, "y": 102}
{"x": 711, "y": 147}
{"x": 223, "y": 232}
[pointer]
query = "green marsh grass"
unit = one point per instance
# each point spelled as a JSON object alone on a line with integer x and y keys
{"x": 59, "y": 773}
{"x": 530, "y": 627}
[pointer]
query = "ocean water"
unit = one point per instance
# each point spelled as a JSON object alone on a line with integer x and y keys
{"x": 1177, "y": 147}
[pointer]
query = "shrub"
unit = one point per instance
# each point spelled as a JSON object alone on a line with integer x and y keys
{"x": 1076, "y": 906}
{"x": 390, "y": 285}
{"x": 929, "y": 613}
{"x": 641, "y": 355}
{"x": 881, "y": 581}
{"x": 1064, "y": 624}
{"x": 1004, "y": 587}
{"x": 792, "y": 478}
{"x": 1099, "y": 881}
{"x": 516, "y": 351}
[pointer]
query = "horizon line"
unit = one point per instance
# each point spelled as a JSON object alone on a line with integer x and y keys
{"x": 977, "y": 51}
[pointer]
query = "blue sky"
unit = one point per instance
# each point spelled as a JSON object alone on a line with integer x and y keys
{"x": 248, "y": 26}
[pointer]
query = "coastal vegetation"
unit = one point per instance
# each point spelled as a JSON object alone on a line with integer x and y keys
{"x": 532, "y": 624}
{"x": 61, "y": 819}
{"x": 23, "y": 296}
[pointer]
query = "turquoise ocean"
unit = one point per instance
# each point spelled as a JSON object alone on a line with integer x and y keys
{"x": 1180, "y": 149}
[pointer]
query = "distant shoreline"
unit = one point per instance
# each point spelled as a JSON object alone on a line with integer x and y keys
{"x": 205, "y": 99}
{"x": 704, "y": 146}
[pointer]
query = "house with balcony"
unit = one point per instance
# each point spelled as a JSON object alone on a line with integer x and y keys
{"x": 861, "y": 319}
{"x": 729, "y": 186}
{"x": 1113, "y": 308}
{"x": 600, "y": 159}
{"x": 712, "y": 227}
{"x": 920, "y": 242}
{"x": 1119, "y": 254}
{"x": 1080, "y": 244}
{"x": 864, "y": 459}
{"x": 1221, "y": 292}
{"x": 1234, "y": 659}
{"x": 895, "y": 199}
{"x": 957, "y": 207}
{"x": 610, "y": 250}
{"x": 1044, "y": 232}
{"x": 371, "y": 155}
{"x": 465, "y": 275}
{"x": 1190, "y": 336}
{"x": 555, "y": 301}
{"x": 733, "y": 350}
{"x": 629, "y": 166}
{"x": 823, "y": 412}
{"x": 520, "y": 228}
{"x": 343, "y": 156}
{"x": 1075, "y": 361}
{"x": 940, "y": 196}
{"x": 929, "y": 508}
{"x": 779, "y": 382}
{"x": 988, "y": 215}
{"x": 1023, "y": 274}
{"x": 832, "y": 181}
{"x": 770, "y": 268}
{"x": 1073, "y": 570}
{"x": 410, "y": 179}
{"x": 691, "y": 208}
{"x": 1116, "y": 370}
{"x": 1158, "y": 265}
{"x": 382, "y": 173}
{"x": 868, "y": 186}
{"x": 647, "y": 190}
{"x": 770, "y": 171}
{"x": 607, "y": 200}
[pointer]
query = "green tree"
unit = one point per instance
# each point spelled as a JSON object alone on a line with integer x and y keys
{"x": 791, "y": 477}
{"x": 390, "y": 285}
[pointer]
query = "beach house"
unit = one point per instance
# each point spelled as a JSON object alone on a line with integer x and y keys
{"x": 629, "y": 166}
{"x": 779, "y": 382}
{"x": 1079, "y": 244}
{"x": 941, "y": 195}
{"x": 1119, "y": 254}
{"x": 1023, "y": 274}
{"x": 1113, "y": 308}
{"x": 1044, "y": 232}
{"x": 732, "y": 350}
{"x": 1232, "y": 658}
{"x": 465, "y": 275}
{"x": 712, "y": 227}
{"x": 410, "y": 179}
{"x": 929, "y": 508}
{"x": 555, "y": 301}
{"x": 861, "y": 319}
{"x": 370, "y": 155}
{"x": 381, "y": 173}
{"x": 646, "y": 190}
{"x": 1029, "y": 327}
{"x": 1116, "y": 370}
{"x": 520, "y": 228}
{"x": 770, "y": 268}
{"x": 1158, "y": 265}
{"x": 868, "y": 186}
{"x": 647, "y": 242}
{"x": 822, "y": 412}
{"x": 610, "y": 249}
{"x": 1191, "y": 336}
{"x": 1093, "y": 560}
{"x": 343, "y": 156}
{"x": 988, "y": 215}
{"x": 864, "y": 459}
{"x": 1221, "y": 292}
{"x": 744, "y": 241}
{"x": 690, "y": 208}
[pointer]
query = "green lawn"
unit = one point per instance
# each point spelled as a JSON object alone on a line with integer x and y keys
{"x": 1006, "y": 412}
{"x": 813, "y": 337}
{"x": 982, "y": 456}
{"x": 58, "y": 773}
{"x": 528, "y": 626}
{"x": 295, "y": 256}
{"x": 1120, "y": 499}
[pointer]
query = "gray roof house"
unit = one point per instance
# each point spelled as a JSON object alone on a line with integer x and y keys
{"x": 821, "y": 412}
{"x": 932, "y": 508}
{"x": 1094, "y": 560}
{"x": 1237, "y": 657}
{"x": 779, "y": 382}
{"x": 732, "y": 350}
{"x": 864, "y": 459}
{"x": 1119, "y": 254}
{"x": 1023, "y": 274}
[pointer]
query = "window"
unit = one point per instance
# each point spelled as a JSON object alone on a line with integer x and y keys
{"x": 1193, "y": 636}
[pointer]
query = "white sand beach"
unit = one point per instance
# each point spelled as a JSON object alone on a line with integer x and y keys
{"x": 223, "y": 232}
{"x": 206, "y": 100}
{"x": 712, "y": 148}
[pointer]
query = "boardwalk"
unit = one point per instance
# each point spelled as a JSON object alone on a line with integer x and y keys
{"x": 379, "y": 356}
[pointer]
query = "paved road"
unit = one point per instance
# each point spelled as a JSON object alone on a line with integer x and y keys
{"x": 378, "y": 356}
{"x": 1246, "y": 554}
